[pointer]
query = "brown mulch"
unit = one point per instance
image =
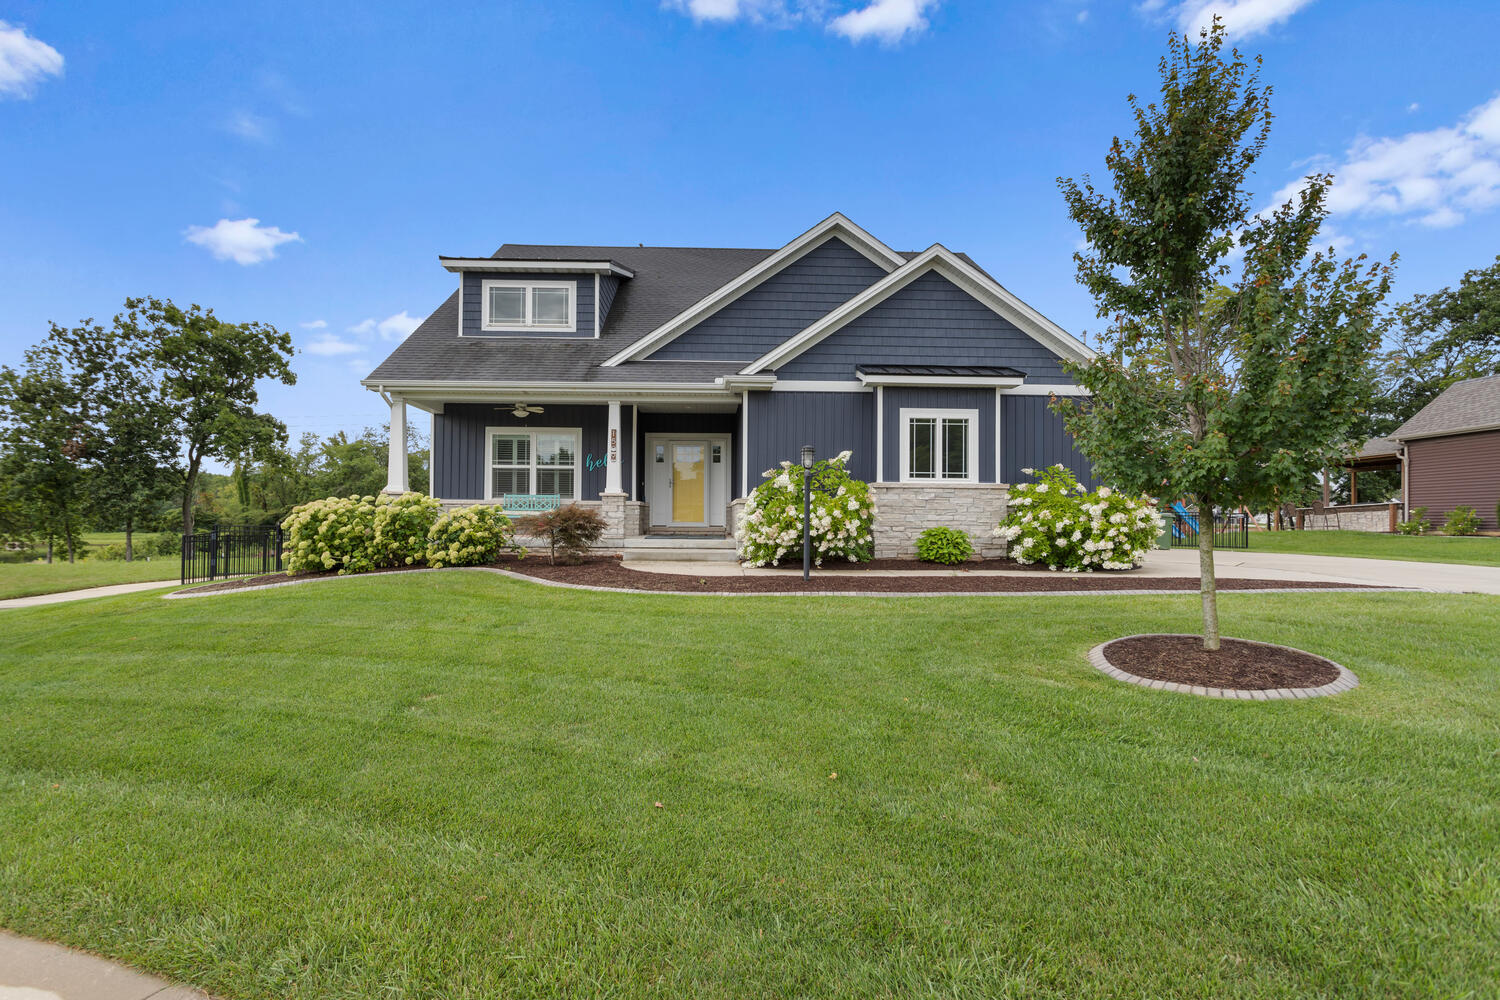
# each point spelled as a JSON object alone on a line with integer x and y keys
{"x": 607, "y": 571}
{"x": 1245, "y": 666}
{"x": 918, "y": 565}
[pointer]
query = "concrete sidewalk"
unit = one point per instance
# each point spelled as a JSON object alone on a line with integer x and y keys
{"x": 36, "y": 970}
{"x": 82, "y": 595}
{"x": 1229, "y": 565}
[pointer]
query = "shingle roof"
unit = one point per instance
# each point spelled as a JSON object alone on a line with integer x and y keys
{"x": 1379, "y": 447}
{"x": 667, "y": 280}
{"x": 1473, "y": 404}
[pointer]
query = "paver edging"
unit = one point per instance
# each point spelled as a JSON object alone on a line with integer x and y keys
{"x": 1345, "y": 681}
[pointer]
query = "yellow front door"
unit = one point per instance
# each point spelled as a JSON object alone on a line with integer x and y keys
{"x": 688, "y": 479}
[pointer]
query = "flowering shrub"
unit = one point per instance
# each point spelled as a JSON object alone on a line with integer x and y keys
{"x": 401, "y": 525}
{"x": 1462, "y": 521}
{"x": 333, "y": 534}
{"x": 944, "y": 545}
{"x": 1062, "y": 525}
{"x": 842, "y": 523}
{"x": 471, "y": 536}
{"x": 1417, "y": 524}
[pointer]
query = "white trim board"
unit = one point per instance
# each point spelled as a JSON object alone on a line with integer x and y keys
{"x": 968, "y": 278}
{"x": 458, "y": 264}
{"x": 836, "y": 225}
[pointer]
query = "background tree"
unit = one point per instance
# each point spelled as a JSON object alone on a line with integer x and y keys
{"x": 1219, "y": 397}
{"x": 209, "y": 373}
{"x": 45, "y": 437}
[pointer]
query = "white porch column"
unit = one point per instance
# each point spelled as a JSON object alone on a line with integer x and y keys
{"x": 396, "y": 466}
{"x": 612, "y": 477}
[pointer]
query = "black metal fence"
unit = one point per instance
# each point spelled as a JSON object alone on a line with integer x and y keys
{"x": 239, "y": 550}
{"x": 1231, "y": 531}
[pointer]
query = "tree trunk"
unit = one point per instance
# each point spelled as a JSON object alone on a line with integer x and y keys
{"x": 1326, "y": 497}
{"x": 1208, "y": 586}
{"x": 190, "y": 483}
{"x": 68, "y": 530}
{"x": 49, "y": 550}
{"x": 129, "y": 551}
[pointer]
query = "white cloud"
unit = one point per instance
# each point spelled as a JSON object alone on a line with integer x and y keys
{"x": 24, "y": 62}
{"x": 887, "y": 20}
{"x": 248, "y": 125}
{"x": 1414, "y": 106}
{"x": 1242, "y": 18}
{"x": 328, "y": 346}
{"x": 1436, "y": 178}
{"x": 317, "y": 324}
{"x": 396, "y": 327}
{"x": 779, "y": 13}
{"x": 244, "y": 241}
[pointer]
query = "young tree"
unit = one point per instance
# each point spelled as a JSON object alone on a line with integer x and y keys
{"x": 1224, "y": 396}
{"x": 209, "y": 373}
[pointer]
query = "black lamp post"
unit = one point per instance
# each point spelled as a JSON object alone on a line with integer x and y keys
{"x": 807, "y": 464}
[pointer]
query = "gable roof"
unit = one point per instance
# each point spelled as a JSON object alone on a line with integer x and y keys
{"x": 836, "y": 225}
{"x": 957, "y": 270}
{"x": 1470, "y": 405}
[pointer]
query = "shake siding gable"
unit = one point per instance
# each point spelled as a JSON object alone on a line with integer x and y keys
{"x": 473, "y": 306}
{"x": 778, "y": 308}
{"x": 931, "y": 321}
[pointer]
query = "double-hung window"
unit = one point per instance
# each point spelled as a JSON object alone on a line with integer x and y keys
{"x": 529, "y": 305}
{"x": 528, "y": 461}
{"x": 939, "y": 445}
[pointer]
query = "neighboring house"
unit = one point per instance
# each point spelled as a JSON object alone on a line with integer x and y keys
{"x": 659, "y": 383}
{"x": 1451, "y": 452}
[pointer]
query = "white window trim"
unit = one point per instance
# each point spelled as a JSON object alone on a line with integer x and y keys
{"x": 972, "y": 444}
{"x": 517, "y": 430}
{"x": 527, "y": 325}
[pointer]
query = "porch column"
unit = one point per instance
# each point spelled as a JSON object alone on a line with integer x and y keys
{"x": 396, "y": 466}
{"x": 612, "y": 477}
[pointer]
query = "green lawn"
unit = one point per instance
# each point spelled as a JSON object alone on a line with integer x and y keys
{"x": 25, "y": 579}
{"x": 444, "y": 786}
{"x": 1474, "y": 550}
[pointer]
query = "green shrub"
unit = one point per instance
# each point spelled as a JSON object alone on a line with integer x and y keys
{"x": 1416, "y": 524}
{"x": 569, "y": 529}
{"x": 944, "y": 545}
{"x": 401, "y": 525}
{"x": 1462, "y": 521}
{"x": 333, "y": 534}
{"x": 143, "y": 546}
{"x": 843, "y": 515}
{"x": 471, "y": 536}
{"x": 1061, "y": 525}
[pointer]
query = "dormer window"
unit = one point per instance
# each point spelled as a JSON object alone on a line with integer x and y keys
{"x": 529, "y": 305}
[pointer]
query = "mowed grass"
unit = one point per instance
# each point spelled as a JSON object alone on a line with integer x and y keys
{"x": 1473, "y": 550}
{"x": 25, "y": 579}
{"x": 445, "y": 785}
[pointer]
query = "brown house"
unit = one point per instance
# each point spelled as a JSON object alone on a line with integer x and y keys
{"x": 1451, "y": 452}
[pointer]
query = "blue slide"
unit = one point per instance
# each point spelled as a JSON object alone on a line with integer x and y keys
{"x": 1189, "y": 518}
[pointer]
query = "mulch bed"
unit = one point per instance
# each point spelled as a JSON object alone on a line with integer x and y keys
{"x": 1245, "y": 666}
{"x": 910, "y": 565}
{"x": 607, "y": 571}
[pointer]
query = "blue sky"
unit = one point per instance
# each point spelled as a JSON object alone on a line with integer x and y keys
{"x": 303, "y": 164}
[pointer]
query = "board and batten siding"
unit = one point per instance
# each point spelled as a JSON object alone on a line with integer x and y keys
{"x": 1033, "y": 437}
{"x": 782, "y": 422}
{"x": 1458, "y": 471}
{"x": 898, "y": 398}
{"x": 473, "y": 305}
{"x": 778, "y": 308}
{"x": 460, "y": 463}
{"x": 929, "y": 322}
{"x": 687, "y": 426}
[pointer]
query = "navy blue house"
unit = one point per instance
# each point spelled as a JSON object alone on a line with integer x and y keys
{"x": 659, "y": 383}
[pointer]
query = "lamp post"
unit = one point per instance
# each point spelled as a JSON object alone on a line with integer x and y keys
{"x": 807, "y": 464}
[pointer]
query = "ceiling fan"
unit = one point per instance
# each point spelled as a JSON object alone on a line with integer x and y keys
{"x": 521, "y": 410}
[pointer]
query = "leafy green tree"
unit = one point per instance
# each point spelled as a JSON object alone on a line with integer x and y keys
{"x": 1221, "y": 397}
{"x": 45, "y": 434}
{"x": 209, "y": 373}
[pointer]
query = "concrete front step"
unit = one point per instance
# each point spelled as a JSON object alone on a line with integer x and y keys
{"x": 656, "y": 548}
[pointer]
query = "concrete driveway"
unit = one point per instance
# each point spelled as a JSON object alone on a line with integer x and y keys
{"x": 1443, "y": 577}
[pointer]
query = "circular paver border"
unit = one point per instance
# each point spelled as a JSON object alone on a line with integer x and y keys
{"x": 1345, "y": 681}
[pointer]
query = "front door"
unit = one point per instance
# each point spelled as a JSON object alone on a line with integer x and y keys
{"x": 689, "y": 482}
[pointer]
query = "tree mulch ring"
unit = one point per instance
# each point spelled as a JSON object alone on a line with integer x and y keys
{"x": 609, "y": 572}
{"x": 1240, "y": 668}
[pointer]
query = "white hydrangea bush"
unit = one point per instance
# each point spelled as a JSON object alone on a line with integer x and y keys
{"x": 842, "y": 523}
{"x": 471, "y": 536}
{"x": 401, "y": 526}
{"x": 1059, "y": 524}
{"x": 335, "y": 534}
